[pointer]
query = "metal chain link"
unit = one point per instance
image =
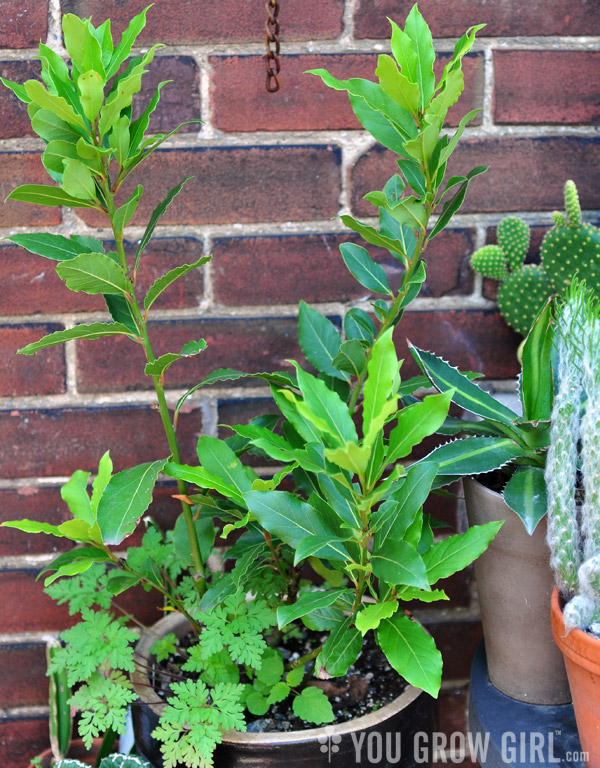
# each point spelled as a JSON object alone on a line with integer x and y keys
{"x": 272, "y": 63}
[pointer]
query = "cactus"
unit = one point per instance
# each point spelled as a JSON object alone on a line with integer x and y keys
{"x": 574, "y": 451}
{"x": 570, "y": 248}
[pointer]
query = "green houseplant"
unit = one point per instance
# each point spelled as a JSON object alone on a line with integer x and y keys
{"x": 355, "y": 514}
{"x": 574, "y": 517}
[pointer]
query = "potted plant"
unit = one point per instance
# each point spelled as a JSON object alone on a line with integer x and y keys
{"x": 353, "y": 517}
{"x": 572, "y": 470}
{"x": 111, "y": 761}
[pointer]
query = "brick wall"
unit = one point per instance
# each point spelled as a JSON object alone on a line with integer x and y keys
{"x": 272, "y": 172}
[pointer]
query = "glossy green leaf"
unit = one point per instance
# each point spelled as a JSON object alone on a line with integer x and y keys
{"x": 140, "y": 126}
{"x": 313, "y": 706}
{"x": 377, "y": 124}
{"x": 379, "y": 399}
{"x": 439, "y": 106}
{"x": 525, "y": 493}
{"x": 371, "y": 235}
{"x": 411, "y": 652}
{"x": 50, "y": 127}
{"x": 537, "y": 386}
{"x": 161, "y": 364}
{"x": 216, "y": 457}
{"x": 418, "y": 31}
{"x": 39, "y": 194}
{"x": 79, "y": 555}
{"x": 403, "y": 50}
{"x": 55, "y": 104}
{"x": 456, "y": 552}
{"x": 307, "y": 602}
{"x": 93, "y": 331}
{"x": 33, "y": 526}
{"x": 396, "y": 85}
{"x": 74, "y": 494}
{"x": 205, "y": 534}
{"x": 54, "y": 247}
{"x": 125, "y": 499}
{"x": 78, "y": 181}
{"x": 341, "y": 649}
{"x": 358, "y": 325}
{"x": 165, "y": 281}
{"x": 125, "y": 212}
{"x": 121, "y": 312}
{"x": 373, "y": 614}
{"x": 351, "y": 358}
{"x": 93, "y": 273}
{"x": 105, "y": 467}
{"x": 328, "y": 547}
{"x": 368, "y": 273}
{"x": 156, "y": 214}
{"x": 119, "y": 140}
{"x": 121, "y": 95}
{"x": 458, "y": 133}
{"x": 324, "y": 408}
{"x": 55, "y": 155}
{"x": 128, "y": 38}
{"x": 396, "y": 562}
{"x": 474, "y": 455}
{"x": 91, "y": 87}
{"x": 204, "y": 479}
{"x": 319, "y": 340}
{"x": 18, "y": 89}
{"x": 454, "y": 204}
{"x": 416, "y": 422}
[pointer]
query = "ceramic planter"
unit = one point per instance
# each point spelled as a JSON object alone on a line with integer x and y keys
{"x": 375, "y": 739}
{"x": 582, "y": 660}
{"x": 514, "y": 583}
{"x": 77, "y": 751}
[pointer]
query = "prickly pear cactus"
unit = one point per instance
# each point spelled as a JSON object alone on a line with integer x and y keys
{"x": 571, "y": 247}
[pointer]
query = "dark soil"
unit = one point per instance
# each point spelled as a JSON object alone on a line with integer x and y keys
{"x": 369, "y": 685}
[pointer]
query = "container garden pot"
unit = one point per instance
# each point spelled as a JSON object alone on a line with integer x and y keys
{"x": 514, "y": 583}
{"x": 582, "y": 660}
{"x": 77, "y": 751}
{"x": 379, "y": 738}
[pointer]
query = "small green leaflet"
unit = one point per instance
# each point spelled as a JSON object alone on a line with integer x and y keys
{"x": 93, "y": 331}
{"x": 159, "y": 366}
{"x": 368, "y": 273}
{"x": 371, "y": 615}
{"x": 313, "y": 706}
{"x": 165, "y": 281}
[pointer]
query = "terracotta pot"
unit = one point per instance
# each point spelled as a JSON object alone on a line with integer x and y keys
{"x": 582, "y": 659}
{"x": 377, "y": 738}
{"x": 77, "y": 751}
{"x": 514, "y": 583}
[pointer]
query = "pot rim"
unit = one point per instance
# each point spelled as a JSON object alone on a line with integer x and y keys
{"x": 168, "y": 623}
{"x": 579, "y": 646}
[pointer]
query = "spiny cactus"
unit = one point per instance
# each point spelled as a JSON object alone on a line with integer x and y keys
{"x": 570, "y": 248}
{"x": 574, "y": 451}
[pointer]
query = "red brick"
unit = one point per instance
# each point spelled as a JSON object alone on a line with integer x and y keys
{"x": 23, "y": 23}
{"x": 33, "y": 611}
{"x": 253, "y": 345}
{"x": 23, "y": 681}
{"x": 524, "y": 173}
{"x": 546, "y": 87}
{"x": 40, "y": 374}
{"x": 305, "y": 103}
{"x": 17, "y": 168}
{"x": 457, "y": 639}
{"x": 179, "y": 100}
{"x": 505, "y": 18}
{"x": 193, "y": 21}
{"x": 21, "y": 740}
{"x": 240, "y": 184}
{"x": 14, "y": 120}
{"x": 57, "y": 442}
{"x": 453, "y": 711}
{"x": 473, "y": 340}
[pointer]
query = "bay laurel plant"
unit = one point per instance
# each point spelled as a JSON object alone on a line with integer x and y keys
{"x": 346, "y": 504}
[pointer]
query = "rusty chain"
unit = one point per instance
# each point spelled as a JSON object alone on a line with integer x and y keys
{"x": 272, "y": 63}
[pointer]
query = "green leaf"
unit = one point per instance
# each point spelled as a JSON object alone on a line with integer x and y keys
{"x": 379, "y": 399}
{"x": 416, "y": 28}
{"x": 18, "y": 89}
{"x": 341, "y": 649}
{"x": 404, "y": 52}
{"x": 324, "y": 408}
{"x": 313, "y": 706}
{"x": 456, "y": 137}
{"x": 319, "y": 340}
{"x": 205, "y": 533}
{"x": 156, "y": 214}
{"x": 329, "y": 547}
{"x": 93, "y": 331}
{"x": 74, "y": 494}
{"x": 352, "y": 358}
{"x": 218, "y": 459}
{"x": 368, "y": 273}
{"x": 128, "y": 38}
{"x": 40, "y": 194}
{"x": 411, "y": 652}
{"x": 91, "y": 87}
{"x": 76, "y": 560}
{"x": 78, "y": 181}
{"x": 372, "y": 615}
{"x": 159, "y": 366}
{"x": 93, "y": 273}
{"x": 295, "y": 676}
{"x": 397, "y": 562}
{"x": 33, "y": 526}
{"x": 415, "y": 422}
{"x": 396, "y": 85}
{"x": 456, "y": 552}
{"x": 50, "y": 246}
{"x": 121, "y": 312}
{"x": 165, "y": 281}
{"x": 119, "y": 139}
{"x": 371, "y": 235}
{"x": 449, "y": 95}
{"x": 125, "y": 212}
{"x": 537, "y": 386}
{"x": 121, "y": 95}
{"x": 138, "y": 127}
{"x": 308, "y": 602}
{"x": 377, "y": 124}
{"x": 279, "y": 692}
{"x": 454, "y": 204}
{"x": 466, "y": 394}
{"x": 50, "y": 127}
{"x": 474, "y": 455}
{"x": 55, "y": 104}
{"x": 55, "y": 155}
{"x": 204, "y": 479}
{"x": 125, "y": 499}
{"x": 358, "y": 325}
{"x": 525, "y": 493}
{"x": 101, "y": 480}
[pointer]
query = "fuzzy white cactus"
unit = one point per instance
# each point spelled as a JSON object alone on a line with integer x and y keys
{"x": 574, "y": 530}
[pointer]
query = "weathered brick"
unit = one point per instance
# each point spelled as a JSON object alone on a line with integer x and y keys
{"x": 23, "y": 23}
{"x": 22, "y": 739}
{"x": 14, "y": 120}
{"x": 240, "y": 184}
{"x": 546, "y": 87}
{"x": 193, "y": 21}
{"x": 179, "y": 100}
{"x": 17, "y": 168}
{"x": 472, "y": 340}
{"x": 457, "y": 639}
{"x": 524, "y": 173}
{"x": 34, "y": 611}
{"x": 453, "y": 711}
{"x": 57, "y": 442}
{"x": 41, "y": 374}
{"x": 23, "y": 681}
{"x": 304, "y": 102}
{"x": 253, "y": 344}
{"x": 505, "y": 18}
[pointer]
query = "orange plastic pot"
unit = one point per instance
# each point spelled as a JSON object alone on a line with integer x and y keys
{"x": 77, "y": 751}
{"x": 581, "y": 652}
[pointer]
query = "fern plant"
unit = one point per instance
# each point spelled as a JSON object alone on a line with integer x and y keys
{"x": 342, "y": 437}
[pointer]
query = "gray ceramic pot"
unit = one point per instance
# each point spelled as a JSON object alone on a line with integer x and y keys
{"x": 514, "y": 583}
{"x": 395, "y": 735}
